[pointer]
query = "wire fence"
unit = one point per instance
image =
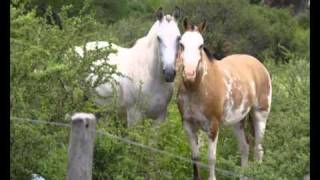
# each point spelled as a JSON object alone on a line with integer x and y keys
{"x": 137, "y": 144}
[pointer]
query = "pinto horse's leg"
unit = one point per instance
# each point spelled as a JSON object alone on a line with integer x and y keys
{"x": 212, "y": 154}
{"x": 212, "y": 147}
{"x": 259, "y": 118}
{"x": 242, "y": 142}
{"x": 193, "y": 141}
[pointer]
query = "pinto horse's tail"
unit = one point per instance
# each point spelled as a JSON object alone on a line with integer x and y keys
{"x": 250, "y": 136}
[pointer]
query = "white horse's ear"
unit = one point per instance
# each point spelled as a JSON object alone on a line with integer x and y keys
{"x": 176, "y": 13}
{"x": 187, "y": 25}
{"x": 202, "y": 26}
{"x": 159, "y": 14}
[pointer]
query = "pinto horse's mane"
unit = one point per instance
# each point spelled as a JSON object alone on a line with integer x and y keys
{"x": 211, "y": 56}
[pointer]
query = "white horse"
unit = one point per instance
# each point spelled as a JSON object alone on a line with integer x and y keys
{"x": 149, "y": 67}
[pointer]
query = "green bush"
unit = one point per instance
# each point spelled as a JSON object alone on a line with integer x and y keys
{"x": 287, "y": 135}
{"x": 238, "y": 27}
{"x": 37, "y": 149}
{"x": 47, "y": 82}
{"x": 40, "y": 54}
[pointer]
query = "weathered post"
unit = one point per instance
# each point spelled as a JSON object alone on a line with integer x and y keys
{"x": 81, "y": 144}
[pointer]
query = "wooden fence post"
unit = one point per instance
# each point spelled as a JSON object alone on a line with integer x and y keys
{"x": 81, "y": 144}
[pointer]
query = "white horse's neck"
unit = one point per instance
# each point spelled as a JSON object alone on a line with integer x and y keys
{"x": 150, "y": 43}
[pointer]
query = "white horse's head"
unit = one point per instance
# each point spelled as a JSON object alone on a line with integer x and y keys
{"x": 168, "y": 36}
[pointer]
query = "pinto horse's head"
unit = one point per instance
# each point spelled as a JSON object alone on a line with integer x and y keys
{"x": 168, "y": 36}
{"x": 191, "y": 46}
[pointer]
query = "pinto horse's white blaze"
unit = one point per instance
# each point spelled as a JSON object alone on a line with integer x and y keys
{"x": 148, "y": 68}
{"x": 222, "y": 92}
{"x": 191, "y": 42}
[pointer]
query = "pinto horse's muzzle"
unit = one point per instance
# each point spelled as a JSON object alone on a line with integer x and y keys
{"x": 169, "y": 74}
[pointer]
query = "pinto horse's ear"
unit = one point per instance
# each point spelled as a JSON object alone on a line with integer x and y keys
{"x": 176, "y": 13}
{"x": 159, "y": 14}
{"x": 202, "y": 26}
{"x": 187, "y": 25}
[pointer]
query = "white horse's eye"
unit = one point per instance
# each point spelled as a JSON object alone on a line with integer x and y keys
{"x": 159, "y": 39}
{"x": 178, "y": 38}
{"x": 181, "y": 46}
{"x": 201, "y": 46}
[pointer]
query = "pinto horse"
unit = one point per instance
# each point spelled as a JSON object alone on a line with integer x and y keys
{"x": 148, "y": 70}
{"x": 216, "y": 92}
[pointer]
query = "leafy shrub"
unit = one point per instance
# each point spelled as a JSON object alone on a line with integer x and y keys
{"x": 238, "y": 27}
{"x": 37, "y": 149}
{"x": 287, "y": 133}
{"x": 40, "y": 55}
{"x": 46, "y": 82}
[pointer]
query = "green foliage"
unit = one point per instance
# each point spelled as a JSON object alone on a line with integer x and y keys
{"x": 39, "y": 56}
{"x": 47, "y": 81}
{"x": 304, "y": 19}
{"x": 37, "y": 149}
{"x": 111, "y": 11}
{"x": 238, "y": 27}
{"x": 255, "y": 1}
{"x": 287, "y": 135}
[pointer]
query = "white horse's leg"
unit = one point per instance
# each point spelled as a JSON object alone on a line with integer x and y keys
{"x": 133, "y": 114}
{"x": 212, "y": 149}
{"x": 259, "y": 119}
{"x": 242, "y": 143}
{"x": 162, "y": 116}
{"x": 193, "y": 141}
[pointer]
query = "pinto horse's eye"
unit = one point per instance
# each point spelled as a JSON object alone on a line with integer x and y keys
{"x": 181, "y": 46}
{"x": 201, "y": 46}
{"x": 178, "y": 38}
{"x": 159, "y": 39}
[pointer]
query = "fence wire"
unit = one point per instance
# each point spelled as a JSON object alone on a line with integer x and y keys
{"x": 134, "y": 143}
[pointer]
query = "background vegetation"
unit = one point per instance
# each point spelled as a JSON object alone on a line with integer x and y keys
{"x": 47, "y": 82}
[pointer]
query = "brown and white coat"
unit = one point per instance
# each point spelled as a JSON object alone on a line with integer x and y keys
{"x": 216, "y": 92}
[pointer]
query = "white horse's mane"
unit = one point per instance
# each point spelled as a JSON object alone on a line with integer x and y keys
{"x": 145, "y": 39}
{"x": 153, "y": 30}
{"x": 141, "y": 42}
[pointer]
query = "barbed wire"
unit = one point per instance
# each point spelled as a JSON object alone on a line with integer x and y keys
{"x": 36, "y": 121}
{"x": 143, "y": 146}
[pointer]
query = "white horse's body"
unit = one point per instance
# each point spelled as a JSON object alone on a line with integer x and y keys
{"x": 90, "y": 46}
{"x": 142, "y": 66}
